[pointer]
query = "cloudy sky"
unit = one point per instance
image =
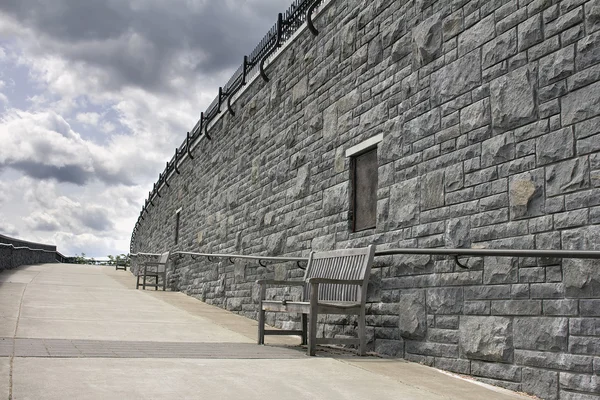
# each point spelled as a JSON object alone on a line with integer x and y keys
{"x": 94, "y": 97}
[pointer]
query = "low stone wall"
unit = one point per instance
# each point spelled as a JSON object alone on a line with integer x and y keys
{"x": 19, "y": 252}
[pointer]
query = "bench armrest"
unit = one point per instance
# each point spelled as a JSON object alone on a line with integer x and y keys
{"x": 153, "y": 263}
{"x": 280, "y": 283}
{"x": 336, "y": 281}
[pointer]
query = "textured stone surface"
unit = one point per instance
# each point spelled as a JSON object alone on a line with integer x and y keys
{"x": 541, "y": 383}
{"x": 489, "y": 115}
{"x": 526, "y": 194}
{"x": 567, "y": 176}
{"x": 486, "y": 338}
{"x": 404, "y": 203}
{"x": 413, "y": 318}
{"x": 548, "y": 334}
{"x": 427, "y": 40}
{"x": 464, "y": 74}
{"x": 513, "y": 99}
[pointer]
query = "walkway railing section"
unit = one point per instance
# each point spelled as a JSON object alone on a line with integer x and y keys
{"x": 455, "y": 253}
{"x": 287, "y": 24}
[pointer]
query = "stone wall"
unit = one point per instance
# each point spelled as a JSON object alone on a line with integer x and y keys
{"x": 491, "y": 139}
{"x": 19, "y": 253}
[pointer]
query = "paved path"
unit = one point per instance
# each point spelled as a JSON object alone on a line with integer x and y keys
{"x": 84, "y": 332}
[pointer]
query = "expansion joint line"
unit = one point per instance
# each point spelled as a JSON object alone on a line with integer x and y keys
{"x": 14, "y": 339}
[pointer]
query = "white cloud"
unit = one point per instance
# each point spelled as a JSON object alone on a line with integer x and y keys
{"x": 89, "y": 118}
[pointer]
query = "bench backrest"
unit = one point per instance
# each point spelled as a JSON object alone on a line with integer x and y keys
{"x": 164, "y": 257}
{"x": 352, "y": 264}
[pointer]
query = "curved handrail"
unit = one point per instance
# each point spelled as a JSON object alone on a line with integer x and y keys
{"x": 586, "y": 254}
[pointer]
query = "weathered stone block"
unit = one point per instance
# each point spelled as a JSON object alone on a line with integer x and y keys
{"x": 475, "y": 115}
{"x": 542, "y": 383}
{"x": 496, "y": 371}
{"x": 548, "y": 334}
{"x": 476, "y": 35}
{"x": 557, "y": 65}
{"x": 413, "y": 317}
{"x": 530, "y": 32}
{"x": 517, "y": 307}
{"x": 500, "y": 48}
{"x": 335, "y": 199}
{"x": 500, "y": 270}
{"x": 404, "y": 203}
{"x": 526, "y": 194}
{"x": 464, "y": 73}
{"x": 567, "y": 176}
{"x": 580, "y": 383}
{"x": 392, "y": 348}
{"x": 301, "y": 185}
{"x": 445, "y": 300}
{"x": 457, "y": 233}
{"x": 498, "y": 149}
{"x": 422, "y": 126}
{"x": 432, "y": 190}
{"x": 580, "y": 104}
{"x": 588, "y": 51}
{"x": 486, "y": 338}
{"x": 513, "y": 99}
{"x": 427, "y": 40}
{"x": 563, "y": 361}
{"x": 554, "y": 146}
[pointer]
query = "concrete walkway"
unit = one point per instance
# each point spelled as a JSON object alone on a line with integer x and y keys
{"x": 84, "y": 332}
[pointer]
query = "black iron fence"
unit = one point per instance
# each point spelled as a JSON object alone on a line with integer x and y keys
{"x": 288, "y": 23}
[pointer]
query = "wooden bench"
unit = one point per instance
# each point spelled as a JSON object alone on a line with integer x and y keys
{"x": 153, "y": 269}
{"x": 335, "y": 282}
{"x": 121, "y": 263}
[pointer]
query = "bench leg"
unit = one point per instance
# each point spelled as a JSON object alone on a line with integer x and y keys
{"x": 261, "y": 325}
{"x": 156, "y": 282}
{"x": 165, "y": 281}
{"x": 137, "y": 284}
{"x": 304, "y": 329}
{"x": 362, "y": 334}
{"x": 144, "y": 282}
{"x": 312, "y": 319}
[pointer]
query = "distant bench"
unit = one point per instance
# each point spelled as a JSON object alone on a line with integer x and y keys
{"x": 335, "y": 282}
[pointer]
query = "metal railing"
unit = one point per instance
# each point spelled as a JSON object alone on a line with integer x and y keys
{"x": 288, "y": 23}
{"x": 231, "y": 257}
{"x": 456, "y": 253}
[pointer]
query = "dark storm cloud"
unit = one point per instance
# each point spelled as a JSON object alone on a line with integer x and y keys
{"x": 96, "y": 219}
{"x": 67, "y": 174}
{"x": 142, "y": 43}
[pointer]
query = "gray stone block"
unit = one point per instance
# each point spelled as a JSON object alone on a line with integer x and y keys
{"x": 486, "y": 338}
{"x": 544, "y": 333}
{"x": 432, "y": 190}
{"x": 427, "y": 40}
{"x": 555, "y": 146}
{"x": 404, "y": 203}
{"x": 567, "y": 176}
{"x": 464, "y": 74}
{"x": 445, "y": 300}
{"x": 513, "y": 99}
{"x": 500, "y": 270}
{"x": 541, "y": 383}
{"x": 567, "y": 308}
{"x": 557, "y": 65}
{"x": 516, "y": 307}
{"x": 476, "y": 35}
{"x": 496, "y": 371}
{"x": 562, "y": 361}
{"x": 500, "y": 48}
{"x": 579, "y": 382}
{"x": 413, "y": 317}
{"x": 530, "y": 32}
{"x": 580, "y": 105}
